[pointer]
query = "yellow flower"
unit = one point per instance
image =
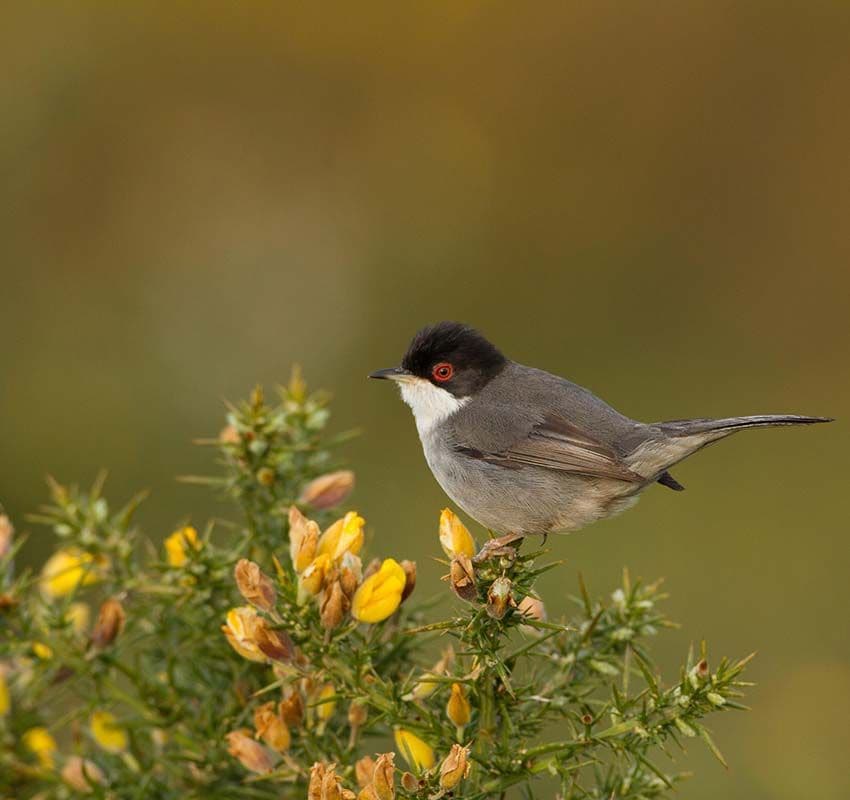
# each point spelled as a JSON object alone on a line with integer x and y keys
{"x": 380, "y": 594}
{"x": 345, "y": 535}
{"x": 65, "y": 571}
{"x": 5, "y": 697}
{"x": 107, "y": 732}
{"x": 458, "y": 709}
{"x": 416, "y": 752}
{"x": 454, "y": 537}
{"x": 239, "y": 630}
{"x": 39, "y": 741}
{"x": 177, "y": 544}
{"x": 313, "y": 578}
{"x": 42, "y": 651}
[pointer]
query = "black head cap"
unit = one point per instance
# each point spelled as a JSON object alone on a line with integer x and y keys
{"x": 453, "y": 356}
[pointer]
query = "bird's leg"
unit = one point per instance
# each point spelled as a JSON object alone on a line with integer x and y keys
{"x": 498, "y": 547}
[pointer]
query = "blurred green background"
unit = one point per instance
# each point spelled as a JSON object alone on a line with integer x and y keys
{"x": 649, "y": 198}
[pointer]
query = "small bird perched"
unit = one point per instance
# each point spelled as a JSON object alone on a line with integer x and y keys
{"x": 523, "y": 451}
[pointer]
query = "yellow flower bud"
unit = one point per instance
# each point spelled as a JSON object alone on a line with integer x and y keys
{"x": 252, "y": 755}
{"x": 67, "y": 570}
{"x": 455, "y": 767}
{"x": 42, "y": 651}
{"x": 82, "y": 775}
{"x": 41, "y": 744}
{"x": 383, "y": 777}
{"x": 458, "y": 709}
{"x": 454, "y": 537}
{"x": 110, "y": 622}
{"x": 5, "y": 696}
{"x": 328, "y": 490}
{"x": 271, "y": 728}
{"x": 313, "y": 578}
{"x": 417, "y": 753}
{"x": 345, "y": 535}
{"x": 229, "y": 435}
{"x": 240, "y": 631}
{"x": 326, "y": 702}
{"x": 303, "y": 540}
{"x": 358, "y": 713}
{"x": 425, "y": 687}
{"x": 78, "y": 616}
{"x": 177, "y": 545}
{"x": 256, "y": 587}
{"x": 380, "y": 594}
{"x": 107, "y": 732}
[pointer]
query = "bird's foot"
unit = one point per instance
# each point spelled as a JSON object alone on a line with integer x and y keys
{"x": 498, "y": 547}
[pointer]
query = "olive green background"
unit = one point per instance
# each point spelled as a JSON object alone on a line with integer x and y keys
{"x": 649, "y": 198}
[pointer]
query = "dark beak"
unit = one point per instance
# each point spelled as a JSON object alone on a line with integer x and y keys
{"x": 391, "y": 374}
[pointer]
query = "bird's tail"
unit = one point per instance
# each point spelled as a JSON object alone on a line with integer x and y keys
{"x": 723, "y": 427}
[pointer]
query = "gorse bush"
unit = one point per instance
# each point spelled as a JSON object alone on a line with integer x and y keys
{"x": 274, "y": 659}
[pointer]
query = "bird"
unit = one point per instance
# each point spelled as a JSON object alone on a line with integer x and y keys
{"x": 523, "y": 451}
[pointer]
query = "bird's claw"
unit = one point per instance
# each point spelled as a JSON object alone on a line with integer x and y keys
{"x": 498, "y": 547}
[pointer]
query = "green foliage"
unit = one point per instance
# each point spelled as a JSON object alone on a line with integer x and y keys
{"x": 313, "y": 678}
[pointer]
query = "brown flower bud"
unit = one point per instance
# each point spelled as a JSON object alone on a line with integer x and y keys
{"x": 364, "y": 769}
{"x": 371, "y": 568}
{"x": 271, "y": 728}
{"x": 409, "y": 782}
{"x": 303, "y": 540}
{"x": 252, "y": 755}
{"x": 455, "y": 767}
{"x": 409, "y": 568}
{"x": 110, "y": 622}
{"x": 532, "y": 608}
{"x": 256, "y": 587}
{"x": 291, "y": 709}
{"x": 331, "y": 789}
{"x": 358, "y": 713}
{"x": 81, "y": 774}
{"x": 499, "y": 598}
{"x": 328, "y": 490}
{"x": 350, "y": 573}
{"x": 384, "y": 777}
{"x": 462, "y": 578}
{"x": 7, "y": 531}
{"x": 334, "y": 605}
{"x": 272, "y": 643}
{"x": 265, "y": 476}
{"x": 229, "y": 435}
{"x": 317, "y": 777}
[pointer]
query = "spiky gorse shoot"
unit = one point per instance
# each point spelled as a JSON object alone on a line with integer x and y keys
{"x": 281, "y": 657}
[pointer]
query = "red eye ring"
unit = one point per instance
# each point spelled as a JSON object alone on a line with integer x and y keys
{"x": 442, "y": 371}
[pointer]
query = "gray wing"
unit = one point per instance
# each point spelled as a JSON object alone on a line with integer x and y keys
{"x": 556, "y": 443}
{"x": 532, "y": 418}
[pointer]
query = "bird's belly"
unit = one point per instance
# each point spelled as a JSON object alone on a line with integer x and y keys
{"x": 536, "y": 501}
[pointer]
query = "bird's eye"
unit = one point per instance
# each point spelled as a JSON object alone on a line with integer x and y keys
{"x": 442, "y": 371}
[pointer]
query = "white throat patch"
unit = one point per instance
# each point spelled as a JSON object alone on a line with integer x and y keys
{"x": 430, "y": 404}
